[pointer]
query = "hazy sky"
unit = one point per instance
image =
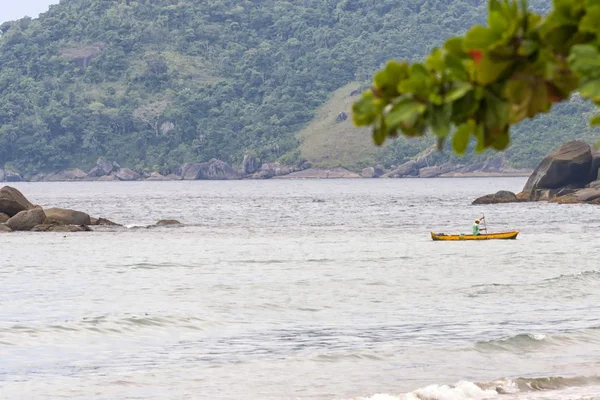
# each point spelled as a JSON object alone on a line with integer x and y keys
{"x": 15, "y": 9}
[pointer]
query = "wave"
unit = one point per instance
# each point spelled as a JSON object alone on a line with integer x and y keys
{"x": 104, "y": 325}
{"x": 561, "y": 281}
{"x": 536, "y": 341}
{"x": 517, "y": 388}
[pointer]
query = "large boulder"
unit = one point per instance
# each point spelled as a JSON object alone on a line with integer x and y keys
{"x": 157, "y": 176}
{"x": 67, "y": 175}
{"x": 67, "y": 217}
{"x": 432, "y": 172}
{"x": 3, "y": 218}
{"x": 409, "y": 168}
{"x": 12, "y": 201}
{"x": 250, "y": 164}
{"x": 5, "y": 228}
{"x": 372, "y": 172}
{"x": 569, "y": 165}
{"x": 164, "y": 222}
{"x": 587, "y": 194}
{"x": 26, "y": 220}
{"x": 211, "y": 170}
{"x": 503, "y": 196}
{"x": 103, "y": 168}
{"x": 126, "y": 174}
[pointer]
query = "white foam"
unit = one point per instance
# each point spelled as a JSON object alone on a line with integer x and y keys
{"x": 537, "y": 336}
{"x": 463, "y": 390}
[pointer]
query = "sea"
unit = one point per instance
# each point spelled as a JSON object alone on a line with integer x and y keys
{"x": 301, "y": 289}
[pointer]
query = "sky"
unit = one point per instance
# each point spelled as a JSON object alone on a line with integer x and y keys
{"x": 16, "y": 9}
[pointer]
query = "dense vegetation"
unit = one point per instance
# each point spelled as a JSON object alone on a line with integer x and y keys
{"x": 476, "y": 86}
{"x": 153, "y": 84}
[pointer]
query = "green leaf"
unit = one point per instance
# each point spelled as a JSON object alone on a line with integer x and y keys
{"x": 498, "y": 23}
{"x": 386, "y": 80}
{"x": 455, "y": 46}
{"x": 528, "y": 47}
{"x": 595, "y": 121}
{"x": 460, "y": 140}
{"x": 365, "y": 110}
{"x": 584, "y": 59}
{"x": 481, "y": 38}
{"x": 591, "y": 89}
{"x": 440, "y": 119}
{"x": 488, "y": 71}
{"x": 501, "y": 140}
{"x": 435, "y": 60}
{"x": 591, "y": 21}
{"x": 495, "y": 113}
{"x": 455, "y": 68}
{"x": 404, "y": 113}
{"x": 459, "y": 89}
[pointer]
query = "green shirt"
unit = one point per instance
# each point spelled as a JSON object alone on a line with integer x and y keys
{"x": 475, "y": 229}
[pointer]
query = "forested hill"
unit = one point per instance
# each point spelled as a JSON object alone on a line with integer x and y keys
{"x": 155, "y": 83}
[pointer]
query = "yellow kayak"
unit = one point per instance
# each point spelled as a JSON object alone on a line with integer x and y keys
{"x": 499, "y": 235}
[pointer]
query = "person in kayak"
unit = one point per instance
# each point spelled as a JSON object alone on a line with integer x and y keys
{"x": 477, "y": 228}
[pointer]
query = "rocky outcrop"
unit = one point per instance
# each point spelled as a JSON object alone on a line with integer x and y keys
{"x": 565, "y": 176}
{"x": 3, "y": 218}
{"x": 60, "y": 228}
{"x": 409, "y": 168}
{"x": 26, "y": 220}
{"x": 4, "y": 228}
{"x": 102, "y": 221}
{"x": 126, "y": 174}
{"x": 12, "y": 201}
{"x": 103, "y": 168}
{"x": 250, "y": 164}
{"x": 372, "y": 172}
{"x": 312, "y": 173}
{"x": 432, "y": 172}
{"x": 211, "y": 170}
{"x": 67, "y": 217}
{"x": 67, "y": 175}
{"x": 571, "y": 164}
{"x": 503, "y": 196}
{"x": 155, "y": 176}
{"x": 164, "y": 222}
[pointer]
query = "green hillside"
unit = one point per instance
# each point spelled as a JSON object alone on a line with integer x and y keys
{"x": 153, "y": 84}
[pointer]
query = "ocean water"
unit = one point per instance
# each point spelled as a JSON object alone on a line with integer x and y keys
{"x": 309, "y": 289}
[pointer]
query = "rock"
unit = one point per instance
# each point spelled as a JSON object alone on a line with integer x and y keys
{"x": 163, "y": 222}
{"x": 106, "y": 222}
{"x": 155, "y": 176}
{"x": 94, "y": 173}
{"x": 570, "y": 164}
{"x": 60, "y": 228}
{"x": 67, "y": 175}
{"x": 211, "y": 170}
{"x": 595, "y": 169}
{"x": 565, "y": 200}
{"x": 104, "y": 167}
{"x": 107, "y": 178}
{"x": 423, "y": 159}
{"x": 587, "y": 194}
{"x": 10, "y": 176}
{"x": 432, "y": 172}
{"x": 250, "y": 164}
{"x": 594, "y": 184}
{"x": 5, "y": 228}
{"x": 26, "y": 220}
{"x": 12, "y": 201}
{"x": 313, "y": 173}
{"x": 503, "y": 196}
{"x": 522, "y": 196}
{"x": 302, "y": 165}
{"x": 409, "y": 168}
{"x": 372, "y": 172}
{"x": 3, "y": 218}
{"x": 341, "y": 117}
{"x": 2, "y": 175}
{"x": 126, "y": 174}
{"x": 67, "y": 217}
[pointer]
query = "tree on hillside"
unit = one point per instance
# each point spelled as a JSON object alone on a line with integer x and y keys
{"x": 478, "y": 85}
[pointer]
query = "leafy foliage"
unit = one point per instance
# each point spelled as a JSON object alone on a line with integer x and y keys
{"x": 495, "y": 76}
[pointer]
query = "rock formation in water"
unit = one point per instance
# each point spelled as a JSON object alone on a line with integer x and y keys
{"x": 568, "y": 175}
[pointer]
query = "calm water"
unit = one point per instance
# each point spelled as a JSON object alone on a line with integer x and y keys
{"x": 308, "y": 289}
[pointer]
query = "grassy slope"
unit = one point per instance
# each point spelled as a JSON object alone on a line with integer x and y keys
{"x": 327, "y": 143}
